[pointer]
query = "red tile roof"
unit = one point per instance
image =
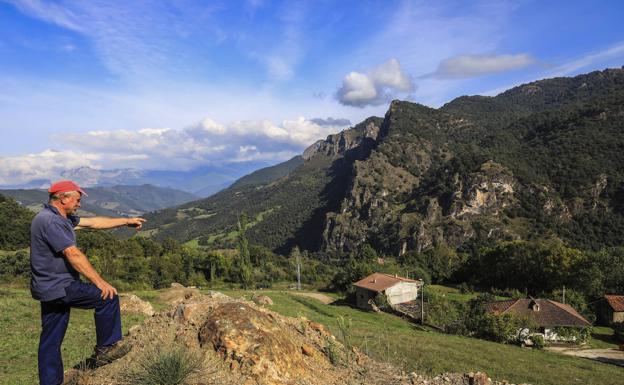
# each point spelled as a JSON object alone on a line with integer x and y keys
{"x": 550, "y": 313}
{"x": 616, "y": 302}
{"x": 379, "y": 282}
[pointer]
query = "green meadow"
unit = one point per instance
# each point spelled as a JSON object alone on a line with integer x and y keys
{"x": 383, "y": 336}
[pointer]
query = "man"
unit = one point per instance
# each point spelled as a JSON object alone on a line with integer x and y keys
{"x": 55, "y": 264}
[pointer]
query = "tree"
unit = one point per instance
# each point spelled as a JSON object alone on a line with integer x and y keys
{"x": 245, "y": 272}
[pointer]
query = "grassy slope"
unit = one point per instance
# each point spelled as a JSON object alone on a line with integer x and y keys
{"x": 381, "y": 335}
{"x": 392, "y": 339}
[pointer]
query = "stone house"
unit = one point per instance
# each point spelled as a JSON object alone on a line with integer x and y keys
{"x": 612, "y": 309}
{"x": 396, "y": 289}
{"x": 547, "y": 314}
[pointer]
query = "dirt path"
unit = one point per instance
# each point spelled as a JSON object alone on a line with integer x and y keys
{"x": 321, "y": 297}
{"x": 610, "y": 356}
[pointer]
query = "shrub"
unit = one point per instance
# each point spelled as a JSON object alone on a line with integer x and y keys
{"x": 538, "y": 341}
{"x": 574, "y": 335}
{"x": 167, "y": 367}
{"x": 332, "y": 351}
{"x": 381, "y": 301}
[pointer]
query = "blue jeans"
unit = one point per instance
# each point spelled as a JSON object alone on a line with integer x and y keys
{"x": 54, "y": 320}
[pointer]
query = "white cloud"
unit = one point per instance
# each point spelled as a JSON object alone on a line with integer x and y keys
{"x": 206, "y": 143}
{"x": 467, "y": 66}
{"x": 47, "y": 164}
{"x": 613, "y": 52}
{"x": 375, "y": 87}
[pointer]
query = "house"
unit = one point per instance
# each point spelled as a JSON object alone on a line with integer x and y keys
{"x": 546, "y": 313}
{"x": 396, "y": 289}
{"x": 612, "y": 309}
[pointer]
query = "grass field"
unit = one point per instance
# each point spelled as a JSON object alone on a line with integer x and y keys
{"x": 383, "y": 336}
{"x": 20, "y": 325}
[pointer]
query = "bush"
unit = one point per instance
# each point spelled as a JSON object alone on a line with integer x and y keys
{"x": 167, "y": 367}
{"x": 574, "y": 335}
{"x": 538, "y": 341}
{"x": 444, "y": 313}
{"x": 381, "y": 301}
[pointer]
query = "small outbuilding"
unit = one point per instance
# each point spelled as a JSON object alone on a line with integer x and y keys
{"x": 612, "y": 309}
{"x": 396, "y": 289}
{"x": 546, "y": 313}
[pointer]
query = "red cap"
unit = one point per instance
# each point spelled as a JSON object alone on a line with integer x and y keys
{"x": 65, "y": 186}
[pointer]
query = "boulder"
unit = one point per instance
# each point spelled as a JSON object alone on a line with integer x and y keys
{"x": 176, "y": 295}
{"x": 255, "y": 340}
{"x": 260, "y": 299}
{"x": 478, "y": 378}
{"x": 133, "y": 304}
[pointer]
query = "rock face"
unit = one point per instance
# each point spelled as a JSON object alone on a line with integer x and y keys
{"x": 338, "y": 144}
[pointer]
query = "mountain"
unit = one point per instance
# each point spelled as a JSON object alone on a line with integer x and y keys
{"x": 202, "y": 181}
{"x": 269, "y": 174}
{"x": 111, "y": 201}
{"x": 541, "y": 160}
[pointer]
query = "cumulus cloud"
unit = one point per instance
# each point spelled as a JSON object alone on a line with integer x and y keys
{"x": 467, "y": 66}
{"x": 46, "y": 165}
{"x": 374, "y": 87}
{"x": 206, "y": 143}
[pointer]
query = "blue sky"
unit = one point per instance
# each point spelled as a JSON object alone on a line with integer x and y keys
{"x": 182, "y": 84}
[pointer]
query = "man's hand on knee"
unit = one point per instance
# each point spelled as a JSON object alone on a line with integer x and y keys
{"x": 108, "y": 291}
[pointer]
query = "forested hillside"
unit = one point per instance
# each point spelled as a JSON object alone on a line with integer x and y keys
{"x": 541, "y": 160}
{"x": 284, "y": 213}
{"x": 14, "y": 225}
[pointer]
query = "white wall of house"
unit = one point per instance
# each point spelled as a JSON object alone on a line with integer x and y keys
{"x": 402, "y": 292}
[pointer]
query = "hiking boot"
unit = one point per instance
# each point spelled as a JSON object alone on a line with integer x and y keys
{"x": 104, "y": 355}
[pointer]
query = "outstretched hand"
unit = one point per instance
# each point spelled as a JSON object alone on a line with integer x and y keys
{"x": 135, "y": 222}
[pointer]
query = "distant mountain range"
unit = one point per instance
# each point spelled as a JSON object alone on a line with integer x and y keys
{"x": 110, "y": 201}
{"x": 542, "y": 160}
{"x": 201, "y": 182}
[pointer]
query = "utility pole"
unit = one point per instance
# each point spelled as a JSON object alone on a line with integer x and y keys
{"x": 297, "y": 255}
{"x": 422, "y": 304}
{"x": 298, "y": 272}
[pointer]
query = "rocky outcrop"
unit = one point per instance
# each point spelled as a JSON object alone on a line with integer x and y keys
{"x": 338, "y": 144}
{"x": 133, "y": 304}
{"x": 381, "y": 195}
{"x": 237, "y": 342}
{"x": 234, "y": 342}
{"x": 484, "y": 192}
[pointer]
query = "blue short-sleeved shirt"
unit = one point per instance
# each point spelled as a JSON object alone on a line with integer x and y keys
{"x": 50, "y": 234}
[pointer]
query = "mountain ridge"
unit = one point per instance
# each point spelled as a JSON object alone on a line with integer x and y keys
{"x": 519, "y": 165}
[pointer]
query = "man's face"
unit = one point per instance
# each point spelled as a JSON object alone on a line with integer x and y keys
{"x": 71, "y": 202}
